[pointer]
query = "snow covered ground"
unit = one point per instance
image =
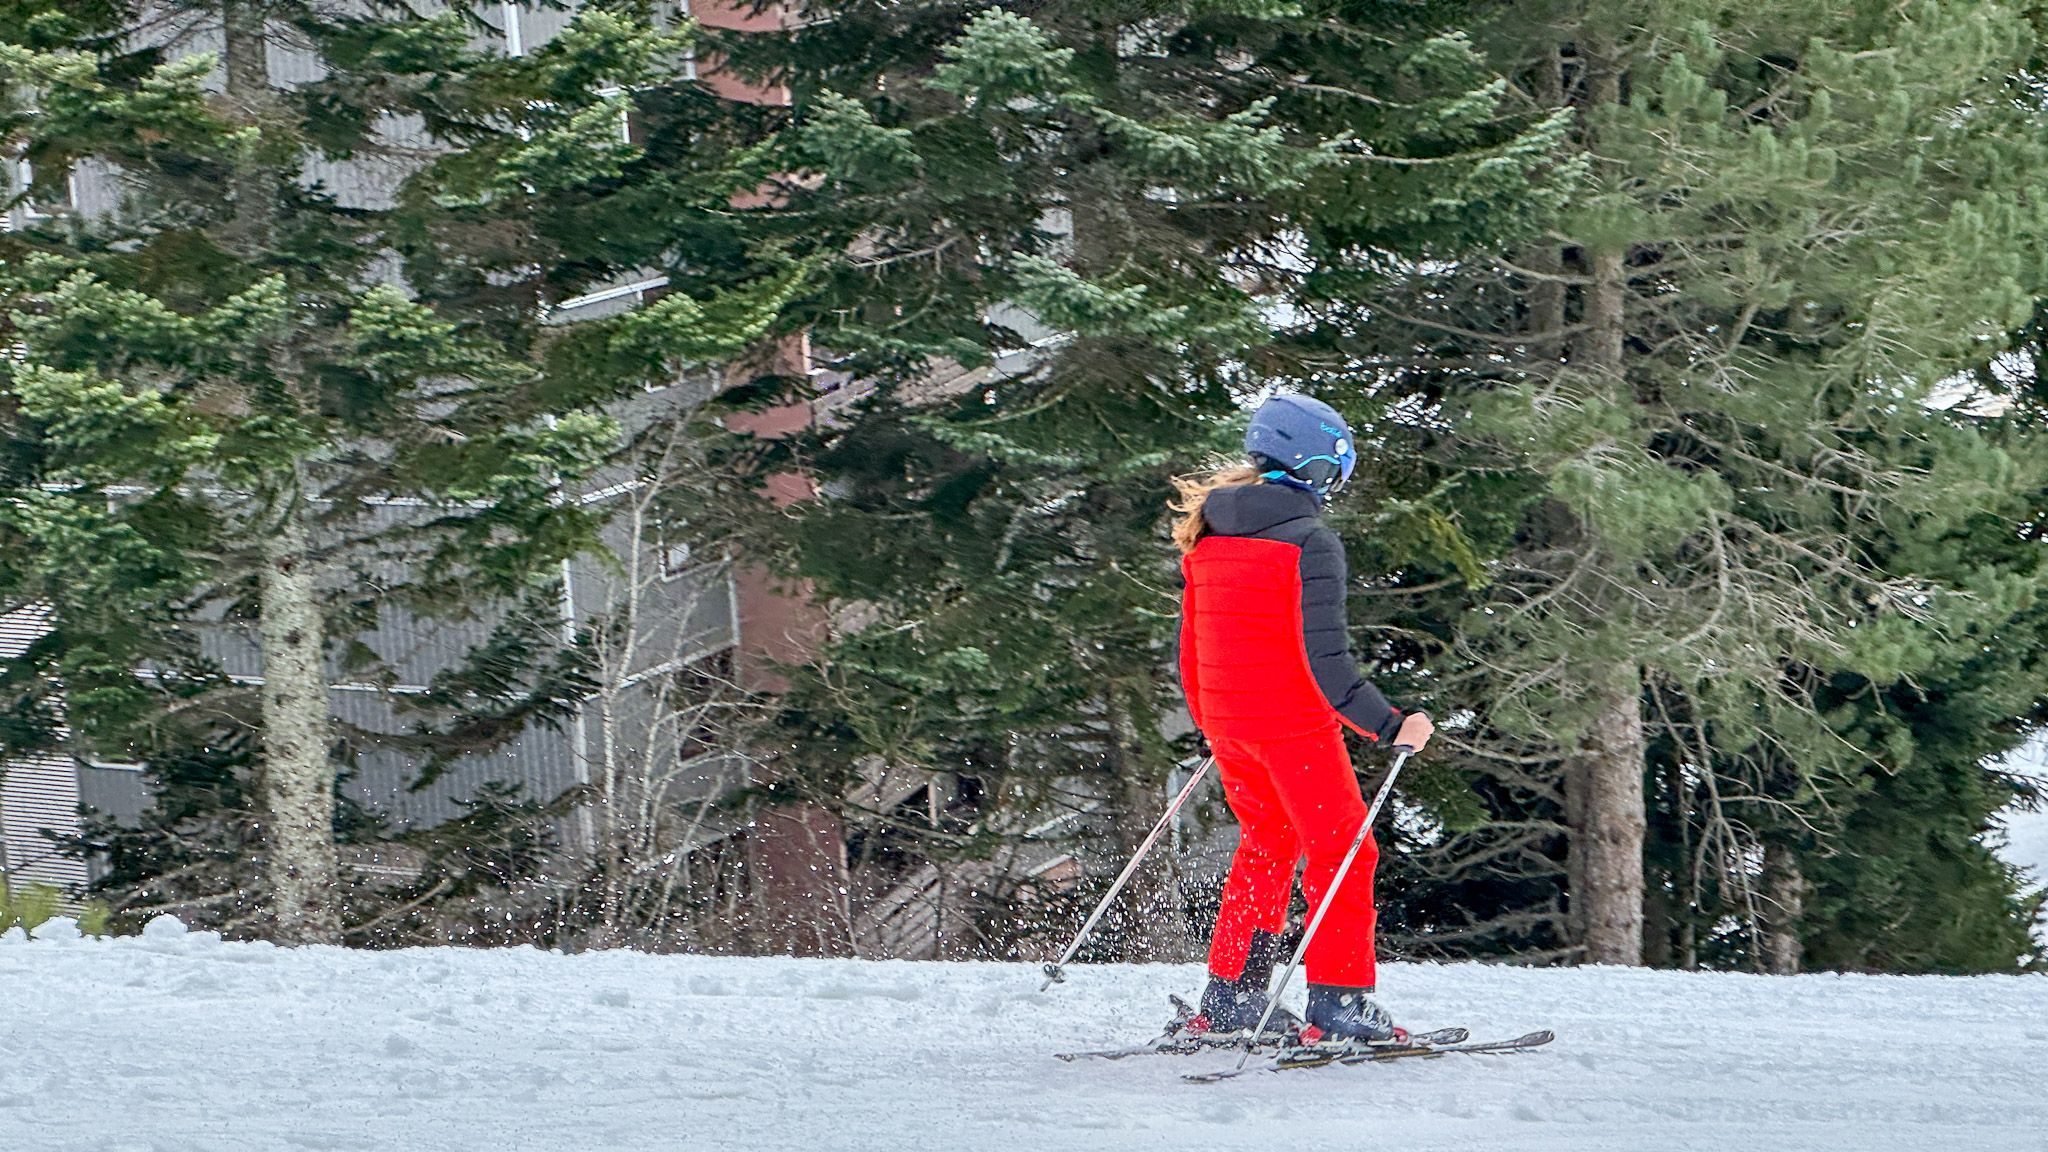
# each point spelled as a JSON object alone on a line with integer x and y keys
{"x": 175, "y": 1041}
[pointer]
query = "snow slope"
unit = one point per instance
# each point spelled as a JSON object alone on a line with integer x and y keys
{"x": 172, "y": 1041}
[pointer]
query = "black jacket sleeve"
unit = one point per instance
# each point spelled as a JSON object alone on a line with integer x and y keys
{"x": 1185, "y": 661}
{"x": 1326, "y": 636}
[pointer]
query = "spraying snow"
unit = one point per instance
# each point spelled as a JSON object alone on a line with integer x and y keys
{"x": 176, "y": 1041}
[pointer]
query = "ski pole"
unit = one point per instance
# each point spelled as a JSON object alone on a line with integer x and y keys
{"x": 1329, "y": 898}
{"x": 1056, "y": 973}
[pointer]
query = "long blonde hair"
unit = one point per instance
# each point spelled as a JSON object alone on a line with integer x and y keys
{"x": 1194, "y": 492}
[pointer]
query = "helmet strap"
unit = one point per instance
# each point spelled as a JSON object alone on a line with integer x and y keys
{"x": 1282, "y": 476}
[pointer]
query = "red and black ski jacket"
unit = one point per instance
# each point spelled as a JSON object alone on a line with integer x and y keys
{"x": 1264, "y": 650}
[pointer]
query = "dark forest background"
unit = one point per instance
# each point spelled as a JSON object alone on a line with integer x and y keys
{"x": 1693, "y": 352}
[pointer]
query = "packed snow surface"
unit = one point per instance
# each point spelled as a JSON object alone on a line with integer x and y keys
{"x": 173, "y": 1041}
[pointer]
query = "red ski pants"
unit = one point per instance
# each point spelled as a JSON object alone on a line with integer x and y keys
{"x": 1295, "y": 796}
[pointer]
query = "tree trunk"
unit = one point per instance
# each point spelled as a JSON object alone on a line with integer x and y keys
{"x": 1606, "y": 319}
{"x": 1546, "y": 308}
{"x": 1546, "y": 302}
{"x": 1604, "y": 808}
{"x": 1660, "y": 926}
{"x": 245, "y": 60}
{"x": 1604, "y": 785}
{"x": 298, "y": 772}
{"x": 1604, "y": 781}
{"x": 1784, "y": 903}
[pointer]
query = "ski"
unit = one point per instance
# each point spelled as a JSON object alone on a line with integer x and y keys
{"x": 1318, "y": 1057}
{"x": 1173, "y": 1045}
{"x": 1361, "y": 1055}
{"x": 1177, "y": 1040}
{"x": 1520, "y": 1043}
{"x": 1441, "y": 1036}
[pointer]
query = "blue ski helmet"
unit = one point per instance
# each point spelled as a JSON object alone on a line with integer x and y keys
{"x": 1302, "y": 440}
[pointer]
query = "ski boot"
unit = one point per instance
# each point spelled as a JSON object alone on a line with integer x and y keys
{"x": 1231, "y": 1008}
{"x": 1348, "y": 1016}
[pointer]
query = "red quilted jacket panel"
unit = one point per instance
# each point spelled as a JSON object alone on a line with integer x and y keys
{"x": 1243, "y": 663}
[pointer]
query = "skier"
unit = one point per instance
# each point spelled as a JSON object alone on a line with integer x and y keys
{"x": 1266, "y": 665}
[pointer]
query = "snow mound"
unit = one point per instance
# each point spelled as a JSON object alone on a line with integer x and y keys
{"x": 176, "y": 1041}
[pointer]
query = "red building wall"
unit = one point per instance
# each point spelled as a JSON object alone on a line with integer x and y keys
{"x": 797, "y": 852}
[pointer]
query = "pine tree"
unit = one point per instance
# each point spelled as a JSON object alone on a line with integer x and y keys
{"x": 1067, "y": 239}
{"x": 1681, "y": 437}
{"x": 225, "y": 407}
